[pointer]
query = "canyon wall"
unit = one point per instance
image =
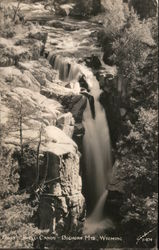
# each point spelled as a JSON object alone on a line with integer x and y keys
{"x": 31, "y": 92}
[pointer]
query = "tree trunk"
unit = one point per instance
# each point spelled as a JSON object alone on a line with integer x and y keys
{"x": 37, "y": 156}
{"x": 21, "y": 131}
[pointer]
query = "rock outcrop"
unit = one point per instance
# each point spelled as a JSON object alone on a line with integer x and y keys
{"x": 112, "y": 99}
{"x": 31, "y": 92}
{"x": 64, "y": 199}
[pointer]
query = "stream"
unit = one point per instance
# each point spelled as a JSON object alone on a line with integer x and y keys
{"x": 69, "y": 43}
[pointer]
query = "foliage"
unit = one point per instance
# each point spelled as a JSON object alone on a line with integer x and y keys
{"x": 138, "y": 169}
{"x": 86, "y": 8}
{"x": 7, "y": 29}
{"x": 114, "y": 16}
{"x": 131, "y": 44}
{"x": 28, "y": 167}
{"x": 18, "y": 170}
{"x": 9, "y": 16}
{"x": 141, "y": 208}
{"x": 17, "y": 229}
{"x": 135, "y": 54}
{"x": 9, "y": 176}
{"x": 131, "y": 48}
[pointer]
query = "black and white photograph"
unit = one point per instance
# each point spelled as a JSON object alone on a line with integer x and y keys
{"x": 79, "y": 124}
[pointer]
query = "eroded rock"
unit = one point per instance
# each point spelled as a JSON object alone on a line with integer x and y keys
{"x": 64, "y": 200}
{"x": 31, "y": 91}
{"x": 66, "y": 123}
{"x": 78, "y": 104}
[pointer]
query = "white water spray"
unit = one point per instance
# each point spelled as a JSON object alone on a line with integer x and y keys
{"x": 97, "y": 157}
{"x": 96, "y": 222}
{"x": 96, "y": 143}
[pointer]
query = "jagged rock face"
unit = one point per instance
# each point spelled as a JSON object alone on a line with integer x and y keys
{"x": 64, "y": 203}
{"x": 146, "y": 8}
{"x": 78, "y": 106}
{"x": 71, "y": 102}
{"x": 66, "y": 123}
{"x": 75, "y": 104}
{"x": 30, "y": 82}
{"x": 93, "y": 62}
{"x": 63, "y": 162}
{"x": 112, "y": 99}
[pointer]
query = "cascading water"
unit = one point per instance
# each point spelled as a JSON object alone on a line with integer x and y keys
{"x": 97, "y": 158}
{"x": 68, "y": 71}
{"x": 96, "y": 143}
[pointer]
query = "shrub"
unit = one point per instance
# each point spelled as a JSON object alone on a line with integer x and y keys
{"x": 114, "y": 16}
{"x": 9, "y": 16}
{"x": 86, "y": 8}
{"x": 137, "y": 150}
{"x": 16, "y": 212}
{"x": 132, "y": 47}
{"x": 6, "y": 25}
{"x": 16, "y": 230}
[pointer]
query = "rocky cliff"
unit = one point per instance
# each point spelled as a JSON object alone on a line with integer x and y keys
{"x": 34, "y": 118}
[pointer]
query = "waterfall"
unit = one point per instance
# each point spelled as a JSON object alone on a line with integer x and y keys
{"x": 96, "y": 142}
{"x": 97, "y": 159}
{"x": 68, "y": 70}
{"x": 96, "y": 223}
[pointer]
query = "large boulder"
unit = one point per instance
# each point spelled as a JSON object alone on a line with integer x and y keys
{"x": 78, "y": 108}
{"x": 93, "y": 62}
{"x": 112, "y": 99}
{"x": 36, "y": 109}
{"x": 62, "y": 204}
{"x": 64, "y": 199}
{"x": 76, "y": 105}
{"x": 41, "y": 70}
{"x": 66, "y": 123}
{"x": 14, "y": 77}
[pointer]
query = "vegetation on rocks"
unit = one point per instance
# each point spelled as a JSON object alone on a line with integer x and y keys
{"x": 16, "y": 210}
{"x": 133, "y": 47}
{"x": 28, "y": 133}
{"x": 40, "y": 126}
